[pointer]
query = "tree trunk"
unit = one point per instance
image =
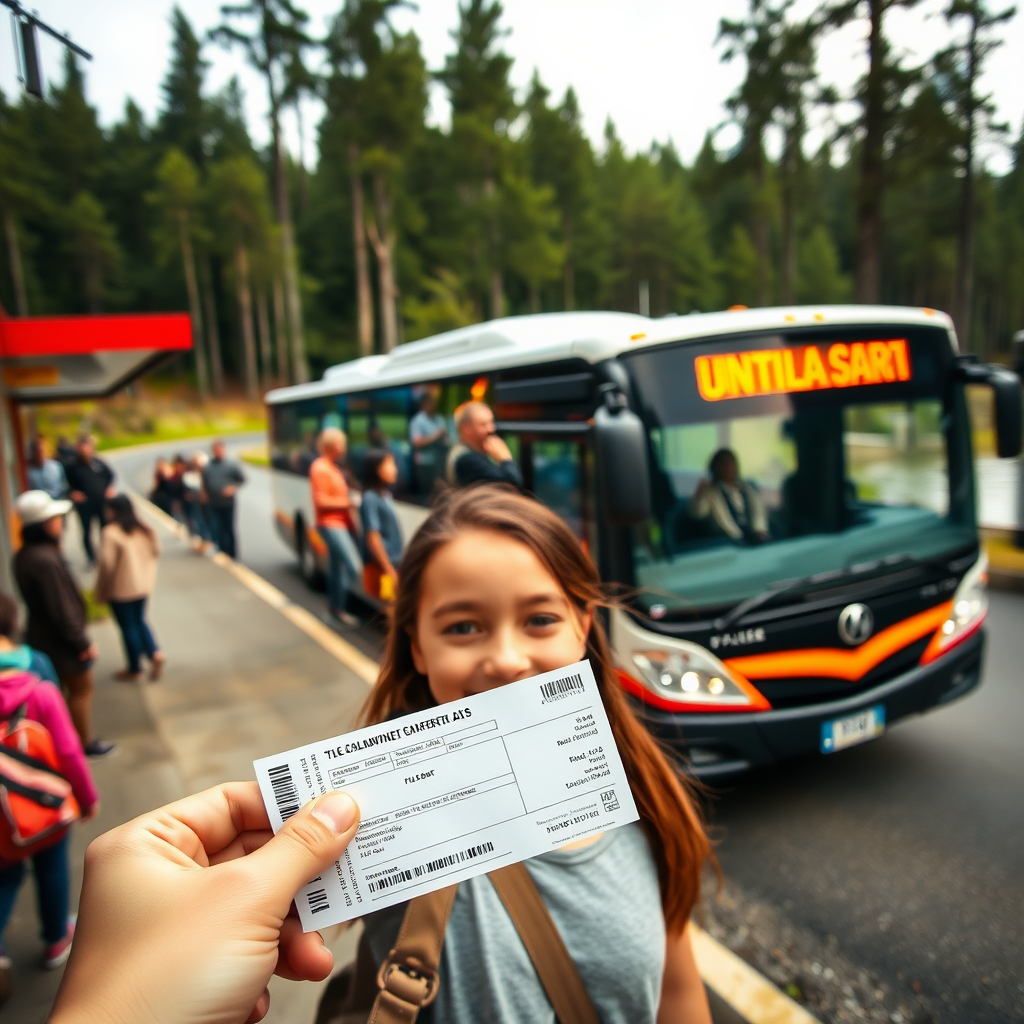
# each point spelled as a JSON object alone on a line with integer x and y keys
{"x": 192, "y": 287}
{"x": 263, "y": 323}
{"x": 965, "y": 234}
{"x": 379, "y": 233}
{"x": 534, "y": 297}
{"x": 14, "y": 258}
{"x": 213, "y": 334}
{"x": 281, "y": 330}
{"x": 497, "y": 285}
{"x": 761, "y": 226}
{"x": 871, "y": 183}
{"x": 789, "y": 160}
{"x": 252, "y": 387}
{"x": 293, "y": 300}
{"x": 364, "y": 297}
{"x": 93, "y": 279}
{"x": 569, "y": 270}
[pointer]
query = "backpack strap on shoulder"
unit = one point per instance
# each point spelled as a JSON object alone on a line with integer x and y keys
{"x": 15, "y": 719}
{"x": 408, "y": 978}
{"x": 555, "y": 967}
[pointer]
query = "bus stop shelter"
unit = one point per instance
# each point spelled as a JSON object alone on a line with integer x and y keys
{"x": 63, "y": 358}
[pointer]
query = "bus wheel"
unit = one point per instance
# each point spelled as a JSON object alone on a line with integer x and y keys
{"x": 307, "y": 558}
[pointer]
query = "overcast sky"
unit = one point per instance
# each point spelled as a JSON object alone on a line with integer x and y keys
{"x": 649, "y": 65}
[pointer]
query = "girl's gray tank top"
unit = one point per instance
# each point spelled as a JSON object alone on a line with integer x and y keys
{"x": 606, "y": 903}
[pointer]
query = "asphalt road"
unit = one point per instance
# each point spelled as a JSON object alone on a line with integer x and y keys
{"x": 908, "y": 850}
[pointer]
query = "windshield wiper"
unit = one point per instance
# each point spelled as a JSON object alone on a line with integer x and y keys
{"x": 844, "y": 575}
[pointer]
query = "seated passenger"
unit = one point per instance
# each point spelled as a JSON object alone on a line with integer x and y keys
{"x": 729, "y": 505}
{"x": 480, "y": 456}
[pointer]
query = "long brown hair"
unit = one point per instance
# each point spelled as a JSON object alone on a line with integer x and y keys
{"x": 668, "y": 811}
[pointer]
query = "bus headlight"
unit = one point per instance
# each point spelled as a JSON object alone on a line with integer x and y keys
{"x": 675, "y": 674}
{"x": 688, "y": 678}
{"x": 967, "y": 612}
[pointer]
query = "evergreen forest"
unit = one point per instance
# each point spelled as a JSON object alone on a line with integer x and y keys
{"x": 402, "y": 229}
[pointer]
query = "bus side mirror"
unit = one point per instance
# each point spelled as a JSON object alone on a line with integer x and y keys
{"x": 1005, "y": 385}
{"x": 624, "y": 485}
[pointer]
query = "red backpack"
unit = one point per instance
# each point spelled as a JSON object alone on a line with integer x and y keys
{"x": 36, "y": 802}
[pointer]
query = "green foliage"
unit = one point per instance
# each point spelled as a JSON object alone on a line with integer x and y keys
{"x": 511, "y": 208}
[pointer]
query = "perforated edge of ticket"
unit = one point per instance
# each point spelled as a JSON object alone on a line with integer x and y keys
{"x": 457, "y": 790}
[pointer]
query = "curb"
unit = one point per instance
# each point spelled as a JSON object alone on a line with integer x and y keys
{"x": 750, "y": 998}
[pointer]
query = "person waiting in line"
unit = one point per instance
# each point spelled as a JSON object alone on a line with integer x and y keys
{"x": 24, "y": 691}
{"x": 480, "y": 456}
{"x": 382, "y": 534}
{"x": 44, "y": 472}
{"x": 729, "y": 505}
{"x": 91, "y": 481}
{"x": 125, "y": 578}
{"x": 428, "y": 435}
{"x": 25, "y": 687}
{"x": 193, "y": 500}
{"x": 332, "y": 505}
{"x": 162, "y": 494}
{"x": 56, "y": 609}
{"x": 221, "y": 479}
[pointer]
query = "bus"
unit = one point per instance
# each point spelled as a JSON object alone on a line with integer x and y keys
{"x": 825, "y": 584}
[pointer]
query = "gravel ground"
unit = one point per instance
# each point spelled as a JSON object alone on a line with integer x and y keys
{"x": 814, "y": 973}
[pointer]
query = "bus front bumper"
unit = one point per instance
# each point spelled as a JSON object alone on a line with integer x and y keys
{"x": 726, "y": 744}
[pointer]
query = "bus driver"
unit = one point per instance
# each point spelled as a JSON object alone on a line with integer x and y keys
{"x": 728, "y": 504}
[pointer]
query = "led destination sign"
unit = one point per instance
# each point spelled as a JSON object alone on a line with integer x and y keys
{"x": 783, "y": 371}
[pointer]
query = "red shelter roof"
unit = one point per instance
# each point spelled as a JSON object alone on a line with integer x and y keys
{"x": 46, "y": 359}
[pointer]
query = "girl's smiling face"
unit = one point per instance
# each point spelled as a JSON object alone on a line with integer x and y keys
{"x": 490, "y": 613}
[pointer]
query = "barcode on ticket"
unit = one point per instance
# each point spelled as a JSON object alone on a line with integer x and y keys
{"x": 285, "y": 793}
{"x": 397, "y": 877}
{"x": 318, "y": 901}
{"x": 561, "y": 687}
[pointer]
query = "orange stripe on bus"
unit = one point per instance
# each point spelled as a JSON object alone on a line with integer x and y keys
{"x": 836, "y": 663}
{"x": 316, "y": 542}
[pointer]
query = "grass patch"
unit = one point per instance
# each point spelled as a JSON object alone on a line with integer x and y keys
{"x": 148, "y": 414}
{"x": 258, "y": 456}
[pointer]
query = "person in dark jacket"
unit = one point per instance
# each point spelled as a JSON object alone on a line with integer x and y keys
{"x": 91, "y": 481}
{"x": 480, "y": 456}
{"x": 221, "y": 479}
{"x": 56, "y": 609}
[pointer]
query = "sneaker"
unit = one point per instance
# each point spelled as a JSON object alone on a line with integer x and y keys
{"x": 345, "y": 618}
{"x": 99, "y": 748}
{"x": 57, "y": 954}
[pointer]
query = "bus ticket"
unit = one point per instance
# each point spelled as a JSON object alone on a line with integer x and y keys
{"x": 457, "y": 790}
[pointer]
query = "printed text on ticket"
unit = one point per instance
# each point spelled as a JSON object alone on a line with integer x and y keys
{"x": 457, "y": 790}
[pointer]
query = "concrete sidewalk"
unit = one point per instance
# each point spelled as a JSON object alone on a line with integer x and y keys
{"x": 228, "y": 695}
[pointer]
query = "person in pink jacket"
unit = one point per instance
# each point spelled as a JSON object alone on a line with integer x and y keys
{"x": 43, "y": 701}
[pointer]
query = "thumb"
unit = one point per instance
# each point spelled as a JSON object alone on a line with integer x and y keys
{"x": 309, "y": 841}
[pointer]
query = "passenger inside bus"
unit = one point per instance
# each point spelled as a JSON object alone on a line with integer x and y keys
{"x": 428, "y": 435}
{"x": 728, "y": 505}
{"x": 480, "y": 456}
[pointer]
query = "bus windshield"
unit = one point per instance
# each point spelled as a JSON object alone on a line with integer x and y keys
{"x": 778, "y": 457}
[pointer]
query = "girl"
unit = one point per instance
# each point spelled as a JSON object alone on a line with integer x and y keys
{"x": 125, "y": 578}
{"x": 495, "y": 588}
{"x": 382, "y": 536}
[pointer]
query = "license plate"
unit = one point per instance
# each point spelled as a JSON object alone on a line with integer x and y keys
{"x": 839, "y": 733}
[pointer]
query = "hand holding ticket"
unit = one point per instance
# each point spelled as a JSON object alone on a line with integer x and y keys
{"x": 457, "y": 790}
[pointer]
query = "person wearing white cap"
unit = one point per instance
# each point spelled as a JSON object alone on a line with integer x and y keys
{"x": 56, "y": 609}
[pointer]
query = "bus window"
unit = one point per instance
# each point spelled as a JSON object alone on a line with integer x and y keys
{"x": 294, "y": 427}
{"x": 380, "y": 419}
{"x": 557, "y": 473}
